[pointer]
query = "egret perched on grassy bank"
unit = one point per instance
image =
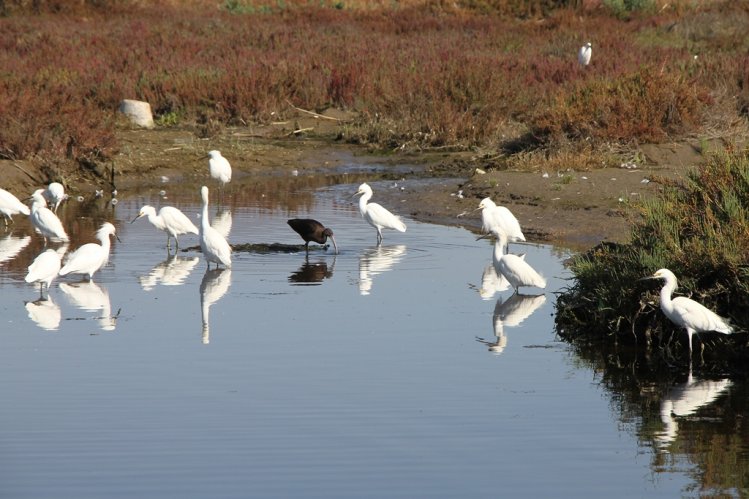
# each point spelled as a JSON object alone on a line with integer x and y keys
{"x": 686, "y": 313}
{"x": 375, "y": 215}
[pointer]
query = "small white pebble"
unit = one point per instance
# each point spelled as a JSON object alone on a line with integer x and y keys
{"x": 545, "y": 175}
{"x": 164, "y": 179}
{"x": 114, "y": 192}
{"x": 114, "y": 201}
{"x": 584, "y": 178}
{"x": 99, "y": 193}
{"x": 294, "y": 173}
{"x": 644, "y": 181}
{"x": 162, "y": 193}
{"x": 80, "y": 199}
{"x": 621, "y": 200}
{"x": 479, "y": 171}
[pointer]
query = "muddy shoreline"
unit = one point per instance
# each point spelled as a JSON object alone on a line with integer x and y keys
{"x": 573, "y": 209}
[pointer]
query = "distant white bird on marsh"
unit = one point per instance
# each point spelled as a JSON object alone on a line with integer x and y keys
{"x": 687, "y": 313}
{"x": 170, "y": 220}
{"x": 91, "y": 256}
{"x": 583, "y": 55}
{"x": 375, "y": 215}
{"x": 44, "y": 220}
{"x": 213, "y": 245}
{"x": 11, "y": 205}
{"x": 219, "y": 168}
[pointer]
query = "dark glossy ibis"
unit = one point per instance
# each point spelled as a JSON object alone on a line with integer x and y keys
{"x": 312, "y": 230}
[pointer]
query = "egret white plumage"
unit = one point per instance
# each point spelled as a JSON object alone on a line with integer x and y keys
{"x": 170, "y": 220}
{"x": 375, "y": 215}
{"x": 55, "y": 194}
{"x": 11, "y": 205}
{"x": 91, "y": 256}
{"x": 516, "y": 270}
{"x": 583, "y": 55}
{"x": 45, "y": 267}
{"x": 687, "y": 313}
{"x": 213, "y": 245}
{"x": 219, "y": 168}
{"x": 498, "y": 218}
{"x": 44, "y": 220}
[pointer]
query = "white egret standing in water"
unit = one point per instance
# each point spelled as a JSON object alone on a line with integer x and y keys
{"x": 46, "y": 222}
{"x": 498, "y": 218}
{"x": 516, "y": 270}
{"x": 170, "y": 220}
{"x": 686, "y": 313}
{"x": 375, "y": 215}
{"x": 583, "y": 55}
{"x": 11, "y": 205}
{"x": 45, "y": 268}
{"x": 213, "y": 245}
{"x": 91, "y": 256}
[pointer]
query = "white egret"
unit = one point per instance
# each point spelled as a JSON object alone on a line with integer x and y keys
{"x": 11, "y": 205}
{"x": 45, "y": 267}
{"x": 213, "y": 245}
{"x": 375, "y": 215}
{"x": 219, "y": 168}
{"x": 686, "y": 313}
{"x": 498, "y": 218}
{"x": 514, "y": 268}
{"x": 55, "y": 194}
{"x": 44, "y": 220}
{"x": 170, "y": 220}
{"x": 91, "y": 256}
{"x": 583, "y": 55}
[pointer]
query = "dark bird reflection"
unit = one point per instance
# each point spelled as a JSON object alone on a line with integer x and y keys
{"x": 45, "y": 313}
{"x": 213, "y": 287}
{"x": 312, "y": 272}
{"x": 171, "y": 272}
{"x": 685, "y": 399}
{"x": 11, "y": 245}
{"x": 511, "y": 313}
{"x": 376, "y": 261}
{"x": 91, "y": 297}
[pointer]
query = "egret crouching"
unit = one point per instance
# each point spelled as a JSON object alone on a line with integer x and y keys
{"x": 686, "y": 313}
{"x": 213, "y": 245}
{"x": 375, "y": 215}
{"x": 170, "y": 220}
{"x": 513, "y": 267}
{"x": 312, "y": 230}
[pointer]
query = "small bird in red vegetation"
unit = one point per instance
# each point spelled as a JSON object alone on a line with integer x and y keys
{"x": 312, "y": 230}
{"x": 583, "y": 55}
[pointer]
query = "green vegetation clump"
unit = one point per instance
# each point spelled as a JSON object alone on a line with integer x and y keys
{"x": 699, "y": 229}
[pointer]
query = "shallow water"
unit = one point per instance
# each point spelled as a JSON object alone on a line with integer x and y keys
{"x": 395, "y": 371}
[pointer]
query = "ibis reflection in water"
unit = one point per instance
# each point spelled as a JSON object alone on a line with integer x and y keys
{"x": 312, "y": 272}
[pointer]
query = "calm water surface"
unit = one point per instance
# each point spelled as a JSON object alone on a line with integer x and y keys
{"x": 399, "y": 371}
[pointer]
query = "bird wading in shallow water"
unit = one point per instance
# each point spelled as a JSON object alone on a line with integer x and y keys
{"x": 583, "y": 55}
{"x": 170, "y": 220}
{"x": 45, "y": 267}
{"x": 46, "y": 222}
{"x": 375, "y": 215}
{"x": 213, "y": 245}
{"x": 55, "y": 194}
{"x": 513, "y": 267}
{"x": 90, "y": 257}
{"x": 219, "y": 168}
{"x": 312, "y": 230}
{"x": 11, "y": 205}
{"x": 687, "y": 313}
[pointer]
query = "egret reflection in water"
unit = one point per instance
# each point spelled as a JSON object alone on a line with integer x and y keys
{"x": 45, "y": 313}
{"x": 171, "y": 272}
{"x": 491, "y": 283}
{"x": 222, "y": 222}
{"x": 12, "y": 245}
{"x": 312, "y": 272}
{"x": 213, "y": 287}
{"x": 685, "y": 399}
{"x": 91, "y": 297}
{"x": 511, "y": 313}
{"x": 375, "y": 261}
